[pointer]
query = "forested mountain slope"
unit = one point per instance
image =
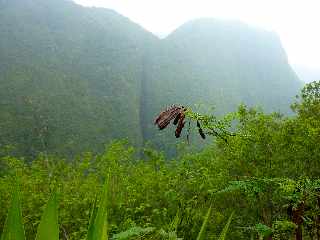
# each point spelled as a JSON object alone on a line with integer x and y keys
{"x": 73, "y": 78}
{"x": 70, "y": 76}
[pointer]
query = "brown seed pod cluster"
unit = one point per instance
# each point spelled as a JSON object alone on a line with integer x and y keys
{"x": 174, "y": 112}
{"x": 180, "y": 126}
{"x": 201, "y": 131}
{"x": 177, "y": 114}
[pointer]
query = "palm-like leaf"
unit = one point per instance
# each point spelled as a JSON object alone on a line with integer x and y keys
{"x": 13, "y": 227}
{"x": 48, "y": 228}
{"x": 98, "y": 220}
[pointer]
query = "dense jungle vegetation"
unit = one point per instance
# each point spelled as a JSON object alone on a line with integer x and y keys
{"x": 264, "y": 167}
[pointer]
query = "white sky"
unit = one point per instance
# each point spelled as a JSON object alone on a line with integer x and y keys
{"x": 296, "y": 21}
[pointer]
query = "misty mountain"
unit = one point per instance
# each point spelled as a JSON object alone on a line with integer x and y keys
{"x": 73, "y": 78}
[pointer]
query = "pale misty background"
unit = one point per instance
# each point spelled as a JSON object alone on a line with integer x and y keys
{"x": 296, "y": 22}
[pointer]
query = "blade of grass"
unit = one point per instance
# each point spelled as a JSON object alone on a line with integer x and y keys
{"x": 13, "y": 227}
{"x": 226, "y": 227}
{"x": 48, "y": 228}
{"x": 175, "y": 222}
{"x": 92, "y": 219}
{"x": 98, "y": 222}
{"x": 204, "y": 225}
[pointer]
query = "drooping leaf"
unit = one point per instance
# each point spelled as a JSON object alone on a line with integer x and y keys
{"x": 13, "y": 227}
{"x": 48, "y": 228}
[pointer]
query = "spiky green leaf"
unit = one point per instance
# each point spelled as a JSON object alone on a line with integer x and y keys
{"x": 48, "y": 228}
{"x": 98, "y": 222}
{"x": 13, "y": 227}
